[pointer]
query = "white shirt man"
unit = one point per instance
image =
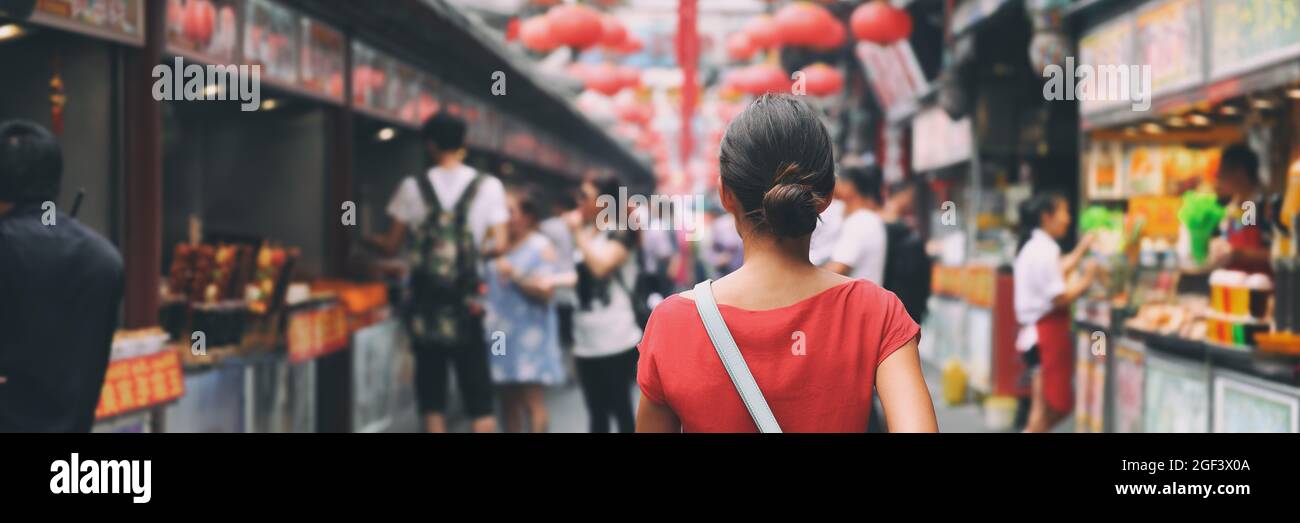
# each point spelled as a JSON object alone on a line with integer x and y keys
{"x": 487, "y": 210}
{"x": 862, "y": 246}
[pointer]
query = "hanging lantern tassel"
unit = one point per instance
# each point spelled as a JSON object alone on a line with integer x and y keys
{"x": 57, "y": 98}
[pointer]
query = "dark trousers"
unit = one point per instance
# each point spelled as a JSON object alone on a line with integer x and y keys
{"x": 606, "y": 382}
{"x": 469, "y": 358}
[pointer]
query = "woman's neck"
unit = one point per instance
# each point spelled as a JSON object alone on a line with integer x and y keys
{"x": 768, "y": 255}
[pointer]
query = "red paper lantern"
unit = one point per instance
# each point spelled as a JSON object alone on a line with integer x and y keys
{"x": 581, "y": 71}
{"x": 604, "y": 79}
{"x": 833, "y": 37}
{"x": 629, "y": 77}
{"x": 822, "y": 80}
{"x": 631, "y": 45}
{"x": 613, "y": 33}
{"x": 629, "y": 109}
{"x": 535, "y": 33}
{"x": 802, "y": 23}
{"x": 512, "y": 30}
{"x": 762, "y": 32}
{"x": 740, "y": 46}
{"x": 880, "y": 23}
{"x": 575, "y": 25}
{"x": 764, "y": 78}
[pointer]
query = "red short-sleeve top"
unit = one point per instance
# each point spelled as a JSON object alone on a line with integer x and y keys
{"x": 815, "y": 360}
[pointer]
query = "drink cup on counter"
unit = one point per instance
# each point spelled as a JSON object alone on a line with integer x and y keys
{"x": 1218, "y": 293}
{"x": 1260, "y": 289}
{"x": 1238, "y": 296}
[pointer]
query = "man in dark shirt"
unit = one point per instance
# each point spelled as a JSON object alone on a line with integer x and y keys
{"x": 60, "y": 288}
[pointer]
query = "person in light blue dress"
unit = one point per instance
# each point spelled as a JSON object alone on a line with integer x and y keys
{"x": 522, "y": 325}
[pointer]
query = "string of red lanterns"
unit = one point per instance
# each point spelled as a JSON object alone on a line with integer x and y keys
{"x": 579, "y": 27}
{"x": 806, "y": 24}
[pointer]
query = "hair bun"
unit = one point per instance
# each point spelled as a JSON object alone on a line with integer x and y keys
{"x": 790, "y": 209}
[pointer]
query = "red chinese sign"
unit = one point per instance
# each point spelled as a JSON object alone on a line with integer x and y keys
{"x": 316, "y": 332}
{"x": 139, "y": 383}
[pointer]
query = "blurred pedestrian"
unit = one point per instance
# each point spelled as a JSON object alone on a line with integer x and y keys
{"x": 1043, "y": 295}
{"x": 450, "y": 219}
{"x": 907, "y": 264}
{"x": 523, "y": 332}
{"x": 658, "y": 247}
{"x": 861, "y": 248}
{"x": 605, "y": 329}
{"x": 814, "y": 342}
{"x": 60, "y": 288}
{"x": 829, "y": 223}
{"x": 728, "y": 252}
{"x": 555, "y": 229}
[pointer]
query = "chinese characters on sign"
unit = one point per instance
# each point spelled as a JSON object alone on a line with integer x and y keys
{"x": 138, "y": 383}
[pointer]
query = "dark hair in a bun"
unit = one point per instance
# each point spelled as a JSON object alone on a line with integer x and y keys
{"x": 776, "y": 158}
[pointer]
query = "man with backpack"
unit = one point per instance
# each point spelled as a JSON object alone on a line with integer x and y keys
{"x": 451, "y": 220}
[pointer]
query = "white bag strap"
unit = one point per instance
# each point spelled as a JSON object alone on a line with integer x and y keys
{"x": 732, "y": 360}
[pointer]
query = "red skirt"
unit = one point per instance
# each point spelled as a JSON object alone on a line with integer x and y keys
{"x": 1055, "y": 350}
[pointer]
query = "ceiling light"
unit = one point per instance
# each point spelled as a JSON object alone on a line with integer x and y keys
{"x": 10, "y": 31}
{"x": 270, "y": 104}
{"x": 1263, "y": 104}
{"x": 1199, "y": 120}
{"x": 1176, "y": 122}
{"x": 386, "y": 134}
{"x": 1228, "y": 110}
{"x": 1152, "y": 128}
{"x": 1293, "y": 93}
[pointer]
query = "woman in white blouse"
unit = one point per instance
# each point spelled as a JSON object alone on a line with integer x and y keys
{"x": 1042, "y": 298}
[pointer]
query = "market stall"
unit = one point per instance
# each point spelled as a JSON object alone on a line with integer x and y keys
{"x": 981, "y": 147}
{"x": 245, "y": 219}
{"x": 55, "y": 70}
{"x": 234, "y": 185}
{"x": 1193, "y": 340}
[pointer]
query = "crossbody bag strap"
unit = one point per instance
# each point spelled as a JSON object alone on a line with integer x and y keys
{"x": 732, "y": 360}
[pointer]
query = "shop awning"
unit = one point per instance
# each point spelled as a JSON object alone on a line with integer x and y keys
{"x": 462, "y": 52}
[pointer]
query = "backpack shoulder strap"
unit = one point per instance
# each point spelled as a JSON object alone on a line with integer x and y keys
{"x": 429, "y": 195}
{"x": 732, "y": 359}
{"x": 467, "y": 197}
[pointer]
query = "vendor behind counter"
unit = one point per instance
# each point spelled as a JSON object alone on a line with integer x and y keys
{"x": 1241, "y": 245}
